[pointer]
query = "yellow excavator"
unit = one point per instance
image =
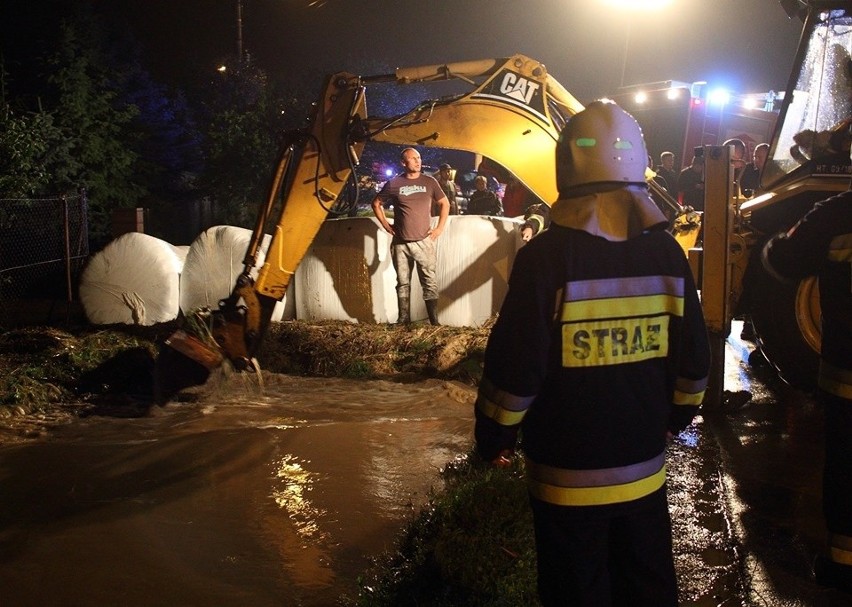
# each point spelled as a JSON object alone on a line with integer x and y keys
{"x": 511, "y": 113}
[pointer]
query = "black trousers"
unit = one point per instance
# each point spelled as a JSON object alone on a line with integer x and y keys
{"x": 605, "y": 556}
{"x": 837, "y": 471}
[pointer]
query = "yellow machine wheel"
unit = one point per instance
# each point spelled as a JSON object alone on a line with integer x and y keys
{"x": 786, "y": 321}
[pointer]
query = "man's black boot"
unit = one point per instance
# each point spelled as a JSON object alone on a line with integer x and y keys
{"x": 404, "y": 310}
{"x": 432, "y": 311}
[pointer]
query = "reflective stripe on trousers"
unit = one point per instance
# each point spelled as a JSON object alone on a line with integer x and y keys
{"x": 564, "y": 487}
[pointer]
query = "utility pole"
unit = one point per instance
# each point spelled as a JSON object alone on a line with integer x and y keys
{"x": 240, "y": 32}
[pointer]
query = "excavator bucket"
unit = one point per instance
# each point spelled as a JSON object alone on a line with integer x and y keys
{"x": 195, "y": 349}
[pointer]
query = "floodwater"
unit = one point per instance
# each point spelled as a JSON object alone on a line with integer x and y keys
{"x": 242, "y": 497}
{"x": 283, "y": 496}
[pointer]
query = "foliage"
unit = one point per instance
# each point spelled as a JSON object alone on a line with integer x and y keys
{"x": 43, "y": 366}
{"x": 471, "y": 545}
{"x": 95, "y": 125}
{"x": 241, "y": 143}
{"x": 28, "y": 143}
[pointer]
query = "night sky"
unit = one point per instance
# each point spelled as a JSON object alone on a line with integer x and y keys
{"x": 745, "y": 45}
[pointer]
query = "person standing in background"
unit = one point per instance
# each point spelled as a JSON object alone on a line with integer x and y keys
{"x": 821, "y": 245}
{"x": 483, "y": 201}
{"x": 667, "y": 171}
{"x": 412, "y": 195}
{"x": 445, "y": 178}
{"x": 750, "y": 180}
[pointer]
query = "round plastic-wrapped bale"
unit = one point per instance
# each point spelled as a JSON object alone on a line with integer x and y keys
{"x": 347, "y": 273}
{"x": 213, "y": 263}
{"x": 134, "y": 280}
{"x": 475, "y": 256}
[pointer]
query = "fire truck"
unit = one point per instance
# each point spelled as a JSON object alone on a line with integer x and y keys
{"x": 681, "y": 116}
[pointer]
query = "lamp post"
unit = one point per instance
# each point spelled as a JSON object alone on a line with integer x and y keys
{"x": 633, "y": 6}
{"x": 624, "y": 58}
{"x": 240, "y": 31}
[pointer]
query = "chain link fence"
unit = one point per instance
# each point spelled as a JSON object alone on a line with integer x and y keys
{"x": 44, "y": 243}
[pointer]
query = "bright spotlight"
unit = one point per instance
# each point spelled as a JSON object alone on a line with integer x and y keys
{"x": 641, "y": 97}
{"x": 639, "y": 5}
{"x": 389, "y": 172}
{"x": 673, "y": 93}
{"x": 719, "y": 97}
{"x": 750, "y": 103}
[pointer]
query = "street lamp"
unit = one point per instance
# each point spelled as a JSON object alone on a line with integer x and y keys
{"x": 634, "y": 6}
{"x": 240, "y": 31}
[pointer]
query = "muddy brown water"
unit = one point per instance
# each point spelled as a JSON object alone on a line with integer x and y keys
{"x": 279, "y": 497}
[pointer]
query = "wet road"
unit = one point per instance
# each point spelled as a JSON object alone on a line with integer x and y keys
{"x": 771, "y": 470}
{"x": 282, "y": 497}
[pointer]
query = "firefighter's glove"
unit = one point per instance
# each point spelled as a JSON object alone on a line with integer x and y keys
{"x": 504, "y": 459}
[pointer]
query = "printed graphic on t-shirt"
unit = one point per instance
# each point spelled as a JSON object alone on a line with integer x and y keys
{"x": 408, "y": 190}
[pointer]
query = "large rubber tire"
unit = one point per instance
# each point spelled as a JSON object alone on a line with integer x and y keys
{"x": 786, "y": 320}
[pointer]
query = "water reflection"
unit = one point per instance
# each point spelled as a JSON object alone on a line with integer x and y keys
{"x": 272, "y": 497}
{"x": 292, "y": 497}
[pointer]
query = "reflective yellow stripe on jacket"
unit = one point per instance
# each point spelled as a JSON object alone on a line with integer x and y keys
{"x": 503, "y": 407}
{"x": 840, "y": 547}
{"x": 619, "y": 320}
{"x": 835, "y": 380}
{"x": 595, "y": 487}
{"x": 689, "y": 391}
{"x": 840, "y": 248}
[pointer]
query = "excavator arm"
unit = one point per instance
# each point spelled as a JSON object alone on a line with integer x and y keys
{"x": 512, "y": 112}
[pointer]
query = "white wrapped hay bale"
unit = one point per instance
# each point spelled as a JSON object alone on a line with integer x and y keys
{"x": 134, "y": 280}
{"x": 475, "y": 256}
{"x": 212, "y": 265}
{"x": 348, "y": 273}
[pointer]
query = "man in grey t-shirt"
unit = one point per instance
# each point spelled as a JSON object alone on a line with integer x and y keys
{"x": 412, "y": 195}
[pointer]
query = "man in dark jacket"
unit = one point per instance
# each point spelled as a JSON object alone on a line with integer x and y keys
{"x": 599, "y": 356}
{"x": 821, "y": 245}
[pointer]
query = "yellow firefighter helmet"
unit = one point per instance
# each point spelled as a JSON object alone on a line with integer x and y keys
{"x": 602, "y": 144}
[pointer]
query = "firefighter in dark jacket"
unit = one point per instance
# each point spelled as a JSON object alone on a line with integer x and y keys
{"x": 536, "y": 220}
{"x": 821, "y": 245}
{"x": 598, "y": 357}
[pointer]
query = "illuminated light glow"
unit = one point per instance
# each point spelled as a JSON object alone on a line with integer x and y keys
{"x": 389, "y": 172}
{"x": 750, "y": 103}
{"x": 673, "y": 93}
{"x": 639, "y": 5}
{"x": 641, "y": 97}
{"x": 719, "y": 97}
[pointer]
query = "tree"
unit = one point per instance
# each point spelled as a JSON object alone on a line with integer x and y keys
{"x": 29, "y": 146}
{"x": 244, "y": 119}
{"x": 95, "y": 126}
